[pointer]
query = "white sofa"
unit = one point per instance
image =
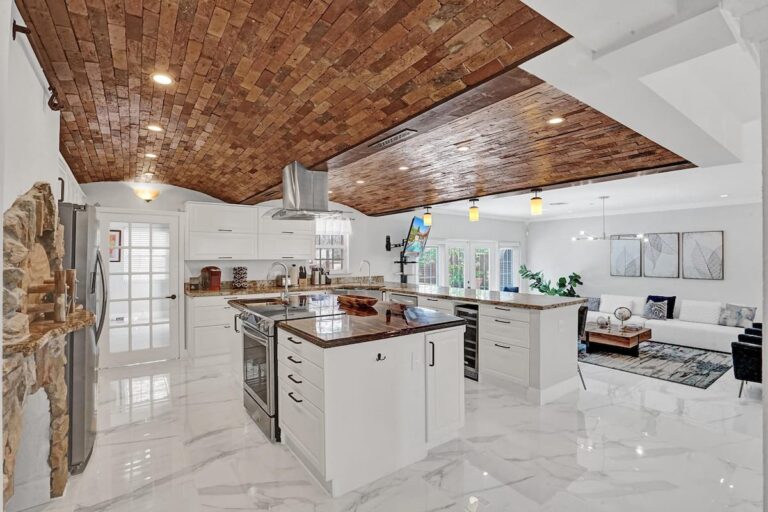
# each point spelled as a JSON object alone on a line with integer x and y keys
{"x": 694, "y": 323}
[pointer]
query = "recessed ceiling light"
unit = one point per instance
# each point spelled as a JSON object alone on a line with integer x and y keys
{"x": 150, "y": 155}
{"x": 462, "y": 148}
{"x": 360, "y": 182}
{"x": 723, "y": 195}
{"x": 162, "y": 78}
{"x": 403, "y": 168}
{"x": 154, "y": 128}
{"x": 330, "y": 191}
{"x": 555, "y": 120}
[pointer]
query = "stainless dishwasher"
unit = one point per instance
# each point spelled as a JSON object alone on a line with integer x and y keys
{"x": 469, "y": 313}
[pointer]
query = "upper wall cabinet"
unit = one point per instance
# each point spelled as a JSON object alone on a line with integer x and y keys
{"x": 221, "y": 218}
{"x": 285, "y": 239}
{"x": 267, "y": 225}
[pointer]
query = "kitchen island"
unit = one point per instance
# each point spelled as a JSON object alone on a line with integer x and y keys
{"x": 366, "y": 393}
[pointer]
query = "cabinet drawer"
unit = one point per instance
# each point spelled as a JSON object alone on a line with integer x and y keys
{"x": 505, "y": 360}
{"x": 212, "y": 340}
{"x": 214, "y": 315}
{"x": 301, "y": 347}
{"x": 508, "y": 331}
{"x": 219, "y": 218}
{"x": 221, "y": 246}
{"x": 268, "y": 225}
{"x": 305, "y": 425}
{"x": 286, "y": 247}
{"x": 433, "y": 303}
{"x": 507, "y": 313}
{"x": 300, "y": 384}
{"x": 300, "y": 365}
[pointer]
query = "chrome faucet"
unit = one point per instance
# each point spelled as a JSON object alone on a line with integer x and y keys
{"x": 369, "y": 269}
{"x": 284, "y": 296}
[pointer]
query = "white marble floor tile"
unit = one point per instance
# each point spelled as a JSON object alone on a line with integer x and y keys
{"x": 173, "y": 436}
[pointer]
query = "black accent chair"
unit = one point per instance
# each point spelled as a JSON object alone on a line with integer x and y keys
{"x": 748, "y": 359}
{"x": 582, "y": 328}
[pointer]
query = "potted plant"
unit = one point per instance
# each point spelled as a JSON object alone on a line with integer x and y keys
{"x": 564, "y": 287}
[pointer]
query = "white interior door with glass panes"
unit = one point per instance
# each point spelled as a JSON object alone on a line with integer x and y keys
{"x": 457, "y": 258}
{"x": 143, "y": 275}
{"x": 509, "y": 256}
{"x": 481, "y": 269}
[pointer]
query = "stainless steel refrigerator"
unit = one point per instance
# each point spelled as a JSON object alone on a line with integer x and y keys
{"x": 81, "y": 252}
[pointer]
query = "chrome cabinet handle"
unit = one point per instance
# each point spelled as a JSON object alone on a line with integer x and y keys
{"x": 225, "y": 230}
{"x": 294, "y": 398}
{"x": 290, "y": 338}
{"x": 290, "y": 377}
{"x": 225, "y": 257}
{"x": 291, "y": 359}
{"x": 501, "y": 346}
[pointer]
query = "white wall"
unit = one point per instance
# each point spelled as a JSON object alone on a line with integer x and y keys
{"x": 551, "y": 250}
{"x": 31, "y": 128}
{"x": 119, "y": 194}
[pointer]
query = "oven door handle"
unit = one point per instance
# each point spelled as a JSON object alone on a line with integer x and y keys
{"x": 254, "y": 335}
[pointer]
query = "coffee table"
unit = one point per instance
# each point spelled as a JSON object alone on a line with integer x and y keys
{"x": 598, "y": 338}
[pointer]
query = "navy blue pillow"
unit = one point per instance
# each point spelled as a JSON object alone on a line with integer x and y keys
{"x": 670, "y": 303}
{"x": 513, "y": 289}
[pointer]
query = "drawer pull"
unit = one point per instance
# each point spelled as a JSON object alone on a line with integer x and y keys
{"x": 501, "y": 346}
{"x": 225, "y": 230}
{"x": 433, "y": 300}
{"x": 379, "y": 357}
{"x": 226, "y": 326}
{"x": 287, "y": 232}
{"x": 294, "y": 398}
{"x": 433, "y": 353}
{"x": 501, "y": 309}
{"x": 225, "y": 257}
{"x": 287, "y": 257}
{"x": 502, "y": 321}
{"x": 292, "y": 379}
{"x": 291, "y": 359}
{"x": 290, "y": 338}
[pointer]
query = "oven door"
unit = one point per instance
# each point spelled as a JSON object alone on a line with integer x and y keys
{"x": 258, "y": 368}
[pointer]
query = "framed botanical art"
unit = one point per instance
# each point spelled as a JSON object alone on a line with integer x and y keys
{"x": 661, "y": 255}
{"x": 703, "y": 255}
{"x": 625, "y": 256}
{"x": 115, "y": 241}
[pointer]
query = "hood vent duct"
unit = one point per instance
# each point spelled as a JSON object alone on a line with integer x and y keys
{"x": 305, "y": 194}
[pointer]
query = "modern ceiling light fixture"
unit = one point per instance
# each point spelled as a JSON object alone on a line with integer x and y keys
{"x": 154, "y": 128}
{"x": 474, "y": 211}
{"x": 583, "y": 235}
{"x": 555, "y": 120}
{"x": 537, "y": 203}
{"x": 427, "y": 217}
{"x": 162, "y": 78}
{"x": 146, "y": 194}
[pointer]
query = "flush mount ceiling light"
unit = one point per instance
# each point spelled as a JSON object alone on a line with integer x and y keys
{"x": 474, "y": 211}
{"x": 150, "y": 155}
{"x": 537, "y": 203}
{"x": 427, "y": 217}
{"x": 462, "y": 148}
{"x": 403, "y": 168}
{"x": 146, "y": 194}
{"x": 162, "y": 78}
{"x": 555, "y": 120}
{"x": 154, "y": 128}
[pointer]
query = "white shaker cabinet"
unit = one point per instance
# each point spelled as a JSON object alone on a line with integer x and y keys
{"x": 445, "y": 385}
{"x": 285, "y": 239}
{"x": 221, "y": 232}
{"x": 221, "y": 218}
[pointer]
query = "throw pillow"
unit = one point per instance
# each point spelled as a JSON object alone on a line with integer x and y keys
{"x": 670, "y": 303}
{"x": 656, "y": 310}
{"x": 733, "y": 315}
{"x": 593, "y": 303}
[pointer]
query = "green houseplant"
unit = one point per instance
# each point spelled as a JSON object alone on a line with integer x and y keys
{"x": 564, "y": 287}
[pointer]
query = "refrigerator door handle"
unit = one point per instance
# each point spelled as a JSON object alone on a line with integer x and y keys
{"x": 104, "y": 294}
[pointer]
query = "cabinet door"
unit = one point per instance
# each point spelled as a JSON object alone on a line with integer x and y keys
{"x": 212, "y": 340}
{"x": 220, "y": 218}
{"x": 283, "y": 227}
{"x": 221, "y": 246}
{"x": 286, "y": 247}
{"x": 445, "y": 385}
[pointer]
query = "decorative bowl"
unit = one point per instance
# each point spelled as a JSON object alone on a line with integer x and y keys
{"x": 357, "y": 301}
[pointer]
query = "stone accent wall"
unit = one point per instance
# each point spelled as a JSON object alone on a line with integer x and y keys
{"x": 33, "y": 246}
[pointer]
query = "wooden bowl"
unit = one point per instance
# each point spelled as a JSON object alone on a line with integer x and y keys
{"x": 357, "y": 301}
{"x": 358, "y": 310}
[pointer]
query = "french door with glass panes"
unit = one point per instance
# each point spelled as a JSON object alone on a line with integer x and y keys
{"x": 470, "y": 265}
{"x": 142, "y": 253}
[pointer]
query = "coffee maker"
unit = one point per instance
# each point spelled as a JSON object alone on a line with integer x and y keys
{"x": 210, "y": 278}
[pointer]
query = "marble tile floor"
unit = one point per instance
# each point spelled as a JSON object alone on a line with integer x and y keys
{"x": 173, "y": 436}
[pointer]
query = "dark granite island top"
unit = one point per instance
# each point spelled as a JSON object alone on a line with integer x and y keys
{"x": 358, "y": 326}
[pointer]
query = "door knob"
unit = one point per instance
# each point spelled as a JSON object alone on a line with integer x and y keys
{"x": 172, "y": 297}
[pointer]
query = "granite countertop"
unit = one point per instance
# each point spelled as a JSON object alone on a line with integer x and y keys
{"x": 358, "y": 326}
{"x": 516, "y": 300}
{"x": 41, "y": 333}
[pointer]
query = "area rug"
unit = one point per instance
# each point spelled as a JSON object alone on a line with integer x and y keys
{"x": 684, "y": 365}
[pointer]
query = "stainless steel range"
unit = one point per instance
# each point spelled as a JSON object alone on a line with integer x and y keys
{"x": 259, "y": 323}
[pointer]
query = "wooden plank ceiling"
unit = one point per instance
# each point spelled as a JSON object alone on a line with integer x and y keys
{"x": 259, "y": 84}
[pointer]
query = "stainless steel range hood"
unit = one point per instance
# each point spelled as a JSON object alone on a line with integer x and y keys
{"x": 305, "y": 194}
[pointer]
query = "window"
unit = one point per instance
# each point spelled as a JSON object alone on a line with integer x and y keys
{"x": 331, "y": 253}
{"x": 482, "y": 268}
{"x": 506, "y": 267}
{"x": 456, "y": 267}
{"x": 428, "y": 262}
